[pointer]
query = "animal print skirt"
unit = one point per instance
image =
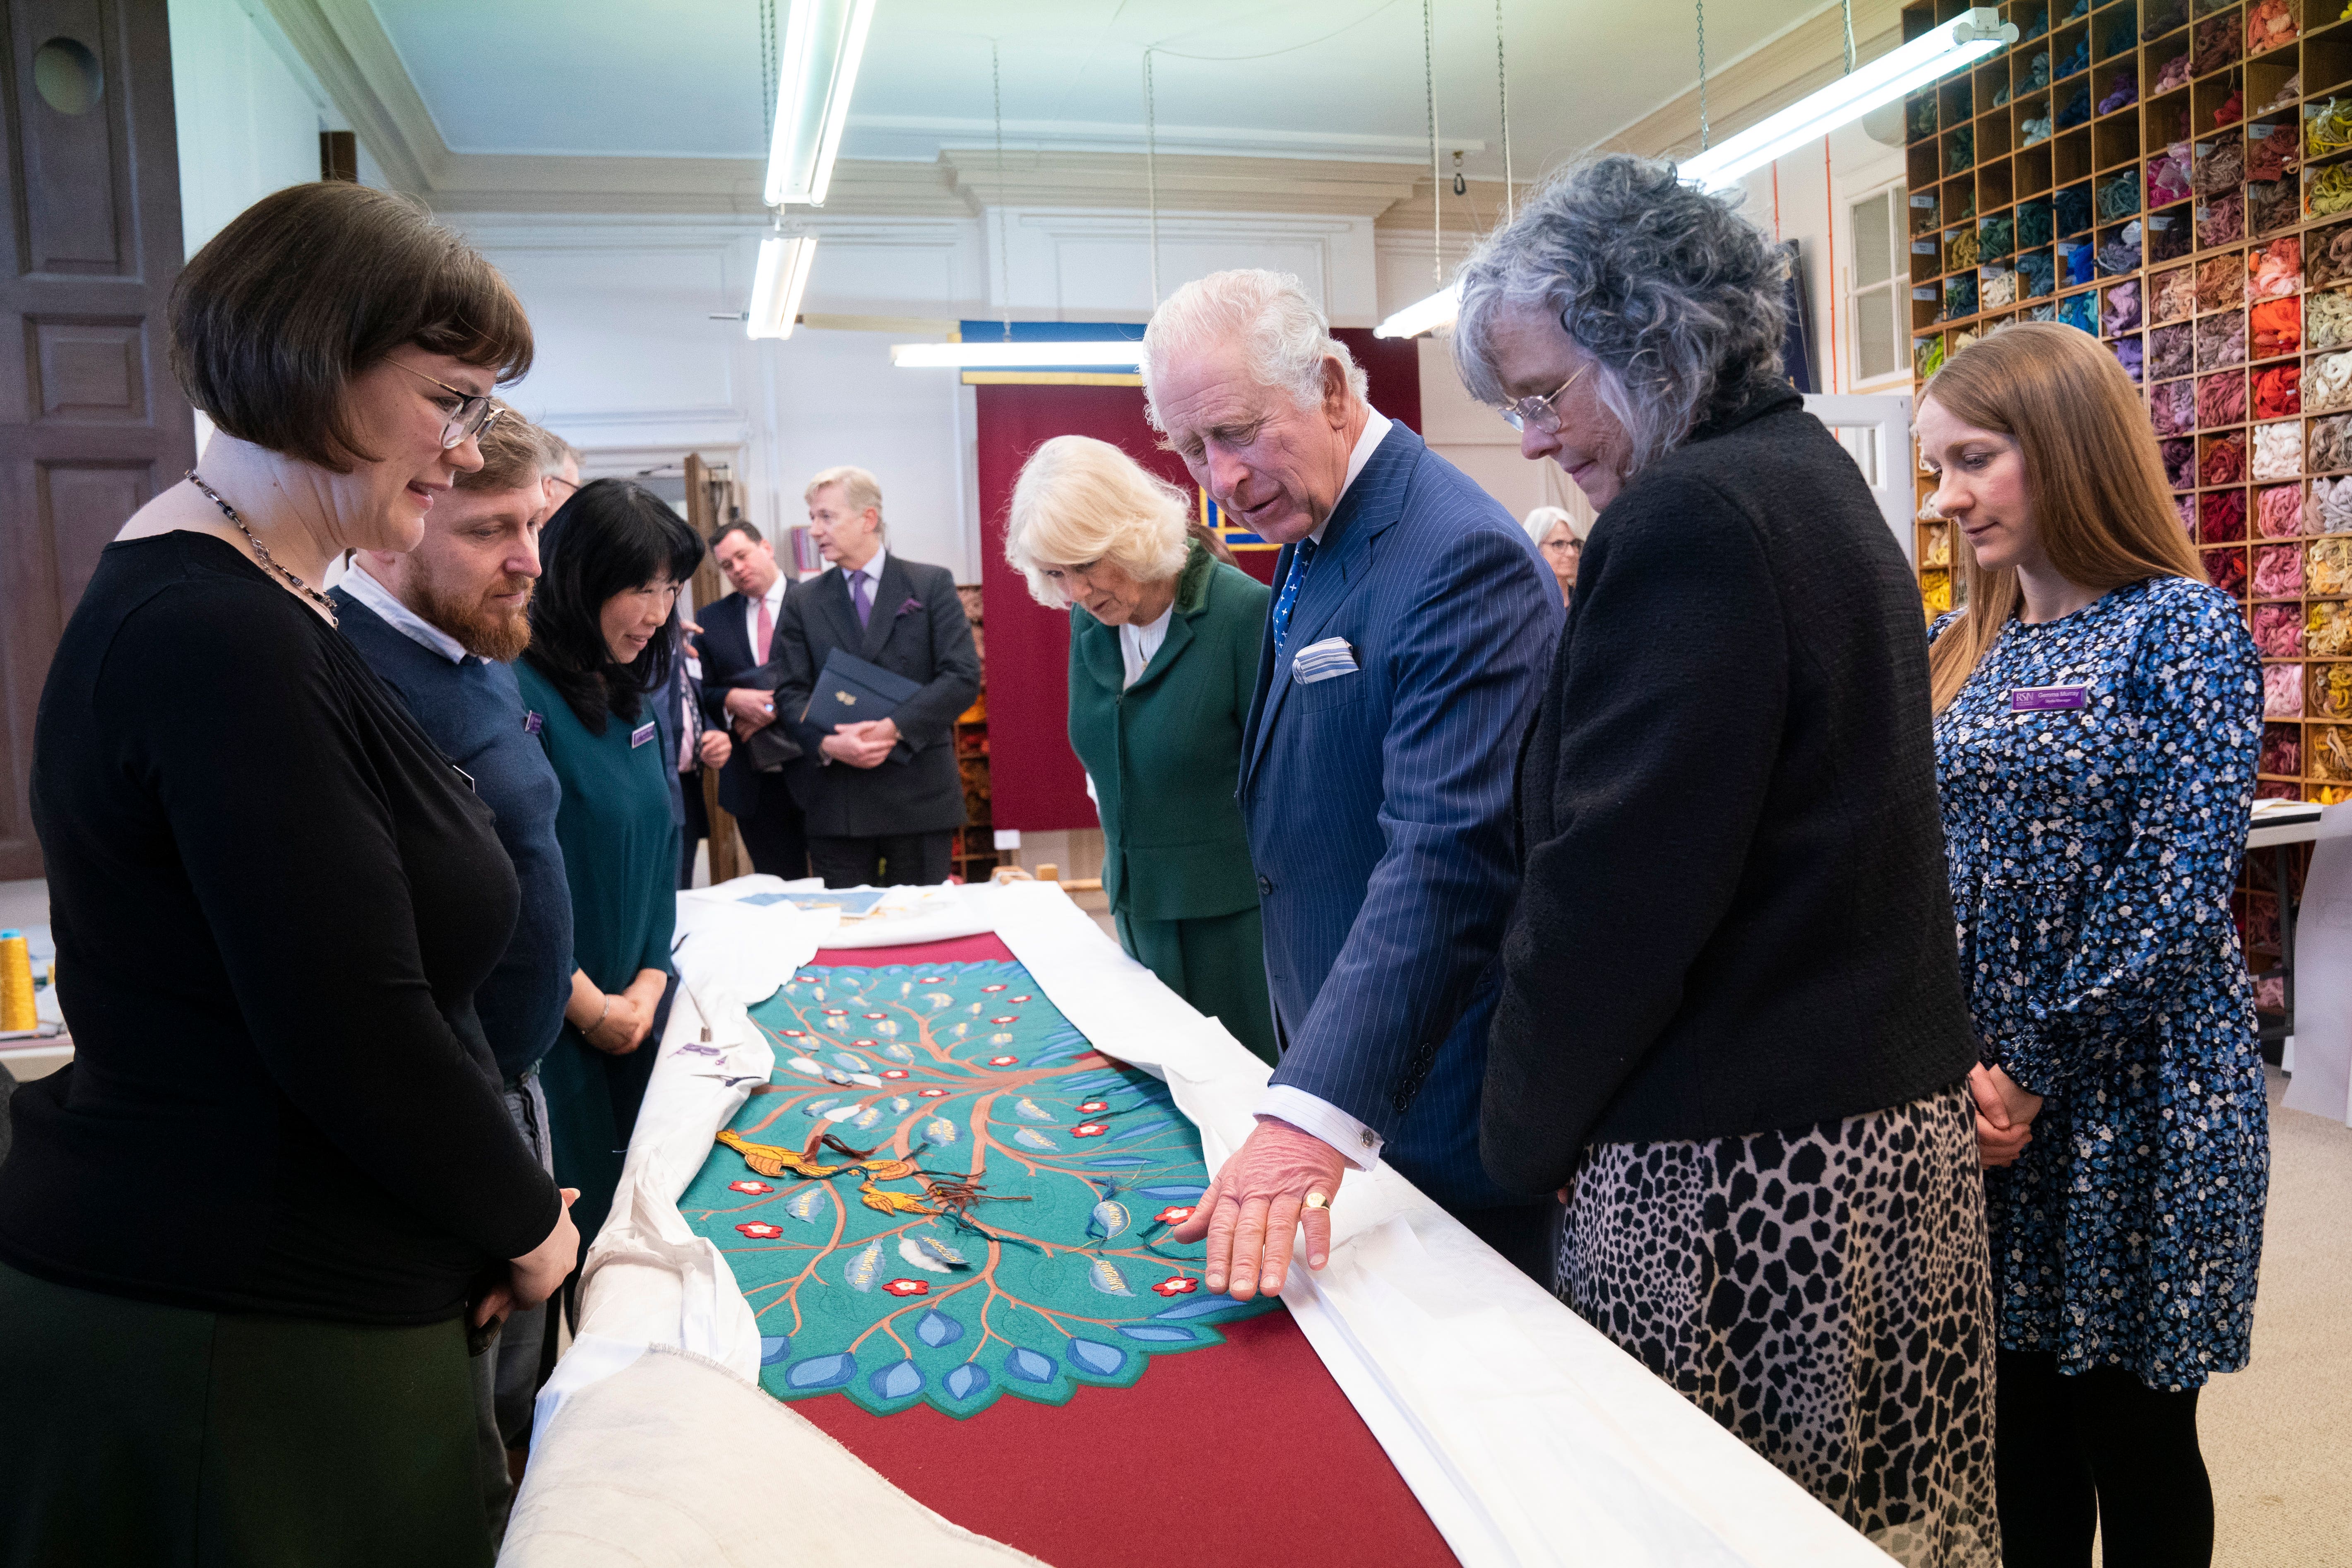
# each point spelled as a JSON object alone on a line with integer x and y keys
{"x": 1824, "y": 1293}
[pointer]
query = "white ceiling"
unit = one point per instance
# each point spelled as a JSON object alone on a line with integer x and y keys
{"x": 683, "y": 79}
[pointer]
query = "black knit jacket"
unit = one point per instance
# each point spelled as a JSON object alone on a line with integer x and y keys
{"x": 1734, "y": 915}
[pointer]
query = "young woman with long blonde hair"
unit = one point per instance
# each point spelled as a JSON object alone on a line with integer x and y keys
{"x": 2098, "y": 712}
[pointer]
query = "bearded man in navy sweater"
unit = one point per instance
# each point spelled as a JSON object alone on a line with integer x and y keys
{"x": 442, "y": 626}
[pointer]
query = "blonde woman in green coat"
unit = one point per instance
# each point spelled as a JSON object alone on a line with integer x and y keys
{"x": 1163, "y": 658}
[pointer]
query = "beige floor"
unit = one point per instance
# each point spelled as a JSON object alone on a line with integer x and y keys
{"x": 2278, "y": 1436}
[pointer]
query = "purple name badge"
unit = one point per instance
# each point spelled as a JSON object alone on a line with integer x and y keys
{"x": 2041, "y": 699}
{"x": 641, "y": 734}
{"x": 531, "y": 722}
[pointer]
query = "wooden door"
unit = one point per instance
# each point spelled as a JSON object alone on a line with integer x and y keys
{"x": 91, "y": 422}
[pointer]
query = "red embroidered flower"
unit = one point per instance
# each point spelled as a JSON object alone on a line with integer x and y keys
{"x": 932, "y": 980}
{"x": 758, "y": 1231}
{"x": 991, "y": 990}
{"x": 863, "y": 1044}
{"x": 837, "y": 1013}
{"x": 1003, "y": 1061}
{"x": 795, "y": 1035}
{"x": 907, "y": 1287}
{"x": 753, "y": 1187}
{"x": 1176, "y": 1214}
{"x": 1181, "y": 1285}
{"x": 874, "y": 1015}
{"x": 1020, "y": 998}
{"x": 931, "y": 1093}
{"x": 1094, "y": 1107}
{"x": 1088, "y": 1130}
{"x": 1008, "y": 1018}
{"x": 894, "y": 1072}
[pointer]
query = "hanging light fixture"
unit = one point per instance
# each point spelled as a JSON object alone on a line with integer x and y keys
{"x": 1939, "y": 51}
{"x": 778, "y": 284}
{"x": 1438, "y": 309}
{"x": 823, "y": 41}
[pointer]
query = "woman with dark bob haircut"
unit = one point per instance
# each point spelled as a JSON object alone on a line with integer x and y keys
{"x": 605, "y": 638}
{"x": 244, "y": 1237}
{"x": 1731, "y": 1033}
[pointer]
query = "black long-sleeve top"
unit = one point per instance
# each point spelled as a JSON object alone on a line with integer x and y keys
{"x": 272, "y": 899}
{"x": 1734, "y": 915}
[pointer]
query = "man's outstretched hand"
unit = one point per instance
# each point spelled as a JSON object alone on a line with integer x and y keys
{"x": 1253, "y": 1209}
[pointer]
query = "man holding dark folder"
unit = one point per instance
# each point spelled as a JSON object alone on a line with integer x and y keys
{"x": 873, "y": 661}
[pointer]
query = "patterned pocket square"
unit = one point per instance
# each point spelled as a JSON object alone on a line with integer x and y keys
{"x": 911, "y": 605}
{"x": 1322, "y": 661}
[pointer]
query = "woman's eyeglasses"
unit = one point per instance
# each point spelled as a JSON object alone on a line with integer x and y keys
{"x": 1539, "y": 412}
{"x": 476, "y": 411}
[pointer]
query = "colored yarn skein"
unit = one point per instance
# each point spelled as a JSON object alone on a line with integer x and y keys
{"x": 2277, "y": 392}
{"x": 2278, "y": 514}
{"x": 2283, "y": 692}
{"x": 2277, "y": 452}
{"x": 2278, "y": 572}
{"x": 2278, "y": 631}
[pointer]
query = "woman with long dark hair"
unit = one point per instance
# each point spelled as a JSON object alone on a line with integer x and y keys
{"x": 2098, "y": 712}
{"x": 603, "y": 637}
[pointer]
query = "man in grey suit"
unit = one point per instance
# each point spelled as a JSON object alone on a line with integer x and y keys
{"x": 1411, "y": 631}
{"x": 883, "y": 796}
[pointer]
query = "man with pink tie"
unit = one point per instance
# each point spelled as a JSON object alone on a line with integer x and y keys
{"x": 738, "y": 691}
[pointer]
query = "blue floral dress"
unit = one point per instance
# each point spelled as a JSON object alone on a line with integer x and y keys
{"x": 2097, "y": 771}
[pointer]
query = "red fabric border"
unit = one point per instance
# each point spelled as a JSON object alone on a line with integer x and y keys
{"x": 1242, "y": 1452}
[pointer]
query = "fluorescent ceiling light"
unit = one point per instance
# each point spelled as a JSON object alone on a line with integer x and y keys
{"x": 823, "y": 40}
{"x": 778, "y": 285}
{"x": 1423, "y": 315}
{"x": 1122, "y": 354}
{"x": 1944, "y": 48}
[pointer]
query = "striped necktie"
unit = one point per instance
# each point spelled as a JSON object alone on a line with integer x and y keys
{"x": 1300, "y": 560}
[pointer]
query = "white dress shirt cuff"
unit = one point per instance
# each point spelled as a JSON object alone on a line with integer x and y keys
{"x": 1357, "y": 1143}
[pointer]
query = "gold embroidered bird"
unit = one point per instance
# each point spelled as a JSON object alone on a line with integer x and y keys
{"x": 775, "y": 1159}
{"x": 876, "y": 1198}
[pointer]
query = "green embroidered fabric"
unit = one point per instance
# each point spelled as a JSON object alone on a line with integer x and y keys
{"x": 945, "y": 1194}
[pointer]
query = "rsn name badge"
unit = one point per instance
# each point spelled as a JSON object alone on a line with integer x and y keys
{"x": 641, "y": 734}
{"x": 531, "y": 722}
{"x": 2044, "y": 698}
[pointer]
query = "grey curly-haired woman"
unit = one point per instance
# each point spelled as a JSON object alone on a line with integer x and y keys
{"x": 1731, "y": 1034}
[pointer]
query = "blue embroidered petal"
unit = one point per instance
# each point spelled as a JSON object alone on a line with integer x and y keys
{"x": 899, "y": 1380}
{"x": 1157, "y": 1334}
{"x": 1181, "y": 1190}
{"x": 821, "y": 1371}
{"x": 1132, "y": 1133}
{"x": 966, "y": 1381}
{"x": 1119, "y": 1163}
{"x": 1029, "y": 1366}
{"x": 934, "y": 1329}
{"x": 1099, "y": 1359}
{"x": 1199, "y": 1307}
{"x": 773, "y": 1348}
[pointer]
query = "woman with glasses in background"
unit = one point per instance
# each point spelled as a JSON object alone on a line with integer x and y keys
{"x": 604, "y": 638}
{"x": 1753, "y": 1096}
{"x": 242, "y": 1237}
{"x": 1552, "y": 531}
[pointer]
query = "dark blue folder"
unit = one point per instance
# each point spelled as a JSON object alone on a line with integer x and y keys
{"x": 851, "y": 692}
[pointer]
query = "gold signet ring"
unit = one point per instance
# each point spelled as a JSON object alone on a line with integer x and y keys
{"x": 1318, "y": 1201}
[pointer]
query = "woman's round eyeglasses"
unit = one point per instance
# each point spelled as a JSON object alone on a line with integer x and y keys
{"x": 476, "y": 412}
{"x": 1539, "y": 412}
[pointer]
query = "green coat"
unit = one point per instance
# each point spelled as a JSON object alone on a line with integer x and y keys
{"x": 1165, "y": 755}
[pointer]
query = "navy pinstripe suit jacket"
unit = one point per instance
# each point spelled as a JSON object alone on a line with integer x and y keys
{"x": 1378, "y": 805}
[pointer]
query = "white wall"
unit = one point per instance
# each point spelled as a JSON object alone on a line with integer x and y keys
{"x": 1813, "y": 194}
{"x": 248, "y": 114}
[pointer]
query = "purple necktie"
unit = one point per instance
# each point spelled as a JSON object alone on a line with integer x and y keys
{"x": 863, "y": 597}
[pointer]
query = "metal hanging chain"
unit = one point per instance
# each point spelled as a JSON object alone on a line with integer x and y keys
{"x": 1848, "y": 6}
{"x": 769, "y": 68}
{"x": 1436, "y": 176}
{"x": 1151, "y": 173}
{"x": 1702, "y": 75}
{"x": 1502, "y": 96}
{"x": 262, "y": 549}
{"x": 996, "y": 98}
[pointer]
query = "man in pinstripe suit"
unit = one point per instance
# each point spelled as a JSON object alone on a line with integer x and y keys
{"x": 1407, "y": 646}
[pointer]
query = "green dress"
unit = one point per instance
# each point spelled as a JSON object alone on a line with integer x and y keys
{"x": 1165, "y": 755}
{"x": 620, "y": 858}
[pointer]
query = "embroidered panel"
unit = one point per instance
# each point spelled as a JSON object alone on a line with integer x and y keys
{"x": 946, "y": 1194}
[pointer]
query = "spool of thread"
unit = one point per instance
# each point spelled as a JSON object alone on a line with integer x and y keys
{"x": 15, "y": 983}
